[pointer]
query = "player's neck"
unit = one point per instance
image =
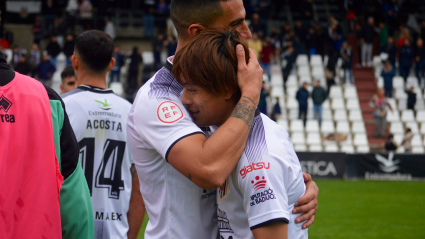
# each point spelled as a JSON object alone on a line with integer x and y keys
{"x": 88, "y": 78}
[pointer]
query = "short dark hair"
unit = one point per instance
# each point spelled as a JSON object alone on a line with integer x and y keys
{"x": 187, "y": 12}
{"x": 95, "y": 49}
{"x": 209, "y": 60}
{"x": 67, "y": 72}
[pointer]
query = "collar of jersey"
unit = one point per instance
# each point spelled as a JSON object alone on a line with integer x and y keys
{"x": 169, "y": 63}
{"x": 95, "y": 89}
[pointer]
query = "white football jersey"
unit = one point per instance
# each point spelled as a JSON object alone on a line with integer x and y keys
{"x": 99, "y": 118}
{"x": 264, "y": 186}
{"x": 177, "y": 208}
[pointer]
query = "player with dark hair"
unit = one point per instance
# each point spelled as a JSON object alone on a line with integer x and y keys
{"x": 69, "y": 81}
{"x": 275, "y": 174}
{"x": 98, "y": 117}
{"x": 178, "y": 166}
{"x": 75, "y": 206}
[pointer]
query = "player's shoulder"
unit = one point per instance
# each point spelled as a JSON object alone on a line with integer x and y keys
{"x": 72, "y": 94}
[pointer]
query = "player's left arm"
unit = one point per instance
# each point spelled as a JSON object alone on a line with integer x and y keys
{"x": 137, "y": 209}
{"x": 278, "y": 230}
{"x": 307, "y": 204}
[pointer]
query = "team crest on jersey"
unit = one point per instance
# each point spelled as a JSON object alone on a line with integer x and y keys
{"x": 222, "y": 191}
{"x": 169, "y": 112}
{"x": 5, "y": 104}
{"x": 223, "y": 222}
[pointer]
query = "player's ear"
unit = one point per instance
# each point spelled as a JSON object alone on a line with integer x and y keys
{"x": 62, "y": 89}
{"x": 229, "y": 95}
{"x": 111, "y": 64}
{"x": 75, "y": 63}
{"x": 195, "y": 29}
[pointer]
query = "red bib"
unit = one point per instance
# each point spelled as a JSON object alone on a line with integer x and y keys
{"x": 30, "y": 179}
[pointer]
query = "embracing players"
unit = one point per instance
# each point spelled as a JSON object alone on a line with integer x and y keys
{"x": 257, "y": 199}
{"x": 179, "y": 168}
{"x": 98, "y": 118}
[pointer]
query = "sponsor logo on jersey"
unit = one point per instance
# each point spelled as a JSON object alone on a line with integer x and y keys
{"x": 105, "y": 105}
{"x": 253, "y": 167}
{"x": 106, "y": 216}
{"x": 223, "y": 222}
{"x": 262, "y": 196}
{"x": 222, "y": 191}
{"x": 5, "y": 105}
{"x": 169, "y": 112}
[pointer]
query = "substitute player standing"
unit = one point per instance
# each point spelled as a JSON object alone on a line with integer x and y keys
{"x": 98, "y": 117}
{"x": 257, "y": 198}
{"x": 176, "y": 163}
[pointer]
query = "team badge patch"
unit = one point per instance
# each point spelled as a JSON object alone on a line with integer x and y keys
{"x": 223, "y": 189}
{"x": 169, "y": 112}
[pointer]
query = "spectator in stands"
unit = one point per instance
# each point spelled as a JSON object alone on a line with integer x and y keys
{"x": 38, "y": 30}
{"x": 307, "y": 7}
{"x": 171, "y": 45}
{"x": 4, "y": 43}
{"x": 405, "y": 34}
{"x": 86, "y": 14}
{"x": 411, "y": 99}
{"x": 387, "y": 74}
{"x": 276, "y": 112}
{"x": 407, "y": 141}
{"x": 379, "y": 103}
{"x": 157, "y": 46}
{"x": 256, "y": 25}
{"x": 406, "y": 58}
{"x": 48, "y": 9}
{"x": 53, "y": 49}
{"x": 330, "y": 70}
{"x": 45, "y": 71}
{"x": 367, "y": 35}
{"x": 319, "y": 96}
{"x": 391, "y": 50}
{"x": 267, "y": 53}
{"x": 109, "y": 28}
{"x": 115, "y": 74}
{"x": 71, "y": 14}
{"x": 133, "y": 70}
{"x": 262, "y": 104}
{"x": 419, "y": 60}
{"x": 69, "y": 81}
{"x": 302, "y": 98}
{"x": 347, "y": 57}
{"x": 149, "y": 21}
{"x": 312, "y": 42}
{"x": 68, "y": 48}
{"x": 255, "y": 44}
{"x": 383, "y": 36}
{"x": 162, "y": 11}
{"x": 23, "y": 67}
{"x": 16, "y": 56}
{"x": 290, "y": 56}
{"x": 301, "y": 34}
{"x": 35, "y": 57}
{"x": 390, "y": 11}
{"x": 390, "y": 145}
{"x": 423, "y": 29}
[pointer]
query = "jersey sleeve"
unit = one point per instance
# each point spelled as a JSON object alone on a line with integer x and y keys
{"x": 264, "y": 191}
{"x": 163, "y": 123}
{"x": 76, "y": 207}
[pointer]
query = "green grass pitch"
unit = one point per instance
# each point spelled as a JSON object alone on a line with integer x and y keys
{"x": 367, "y": 210}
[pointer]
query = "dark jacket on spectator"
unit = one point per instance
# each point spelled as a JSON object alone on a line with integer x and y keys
{"x": 388, "y": 79}
{"x": 319, "y": 95}
{"x": 391, "y": 50}
{"x": 119, "y": 61}
{"x": 420, "y": 52}
{"x": 411, "y": 99}
{"x": 45, "y": 70}
{"x": 53, "y": 49}
{"x": 368, "y": 32}
{"x": 276, "y": 108}
{"x": 23, "y": 68}
{"x": 406, "y": 56}
{"x": 302, "y": 97}
{"x": 68, "y": 48}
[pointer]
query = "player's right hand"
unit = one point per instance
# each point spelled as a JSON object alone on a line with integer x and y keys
{"x": 250, "y": 76}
